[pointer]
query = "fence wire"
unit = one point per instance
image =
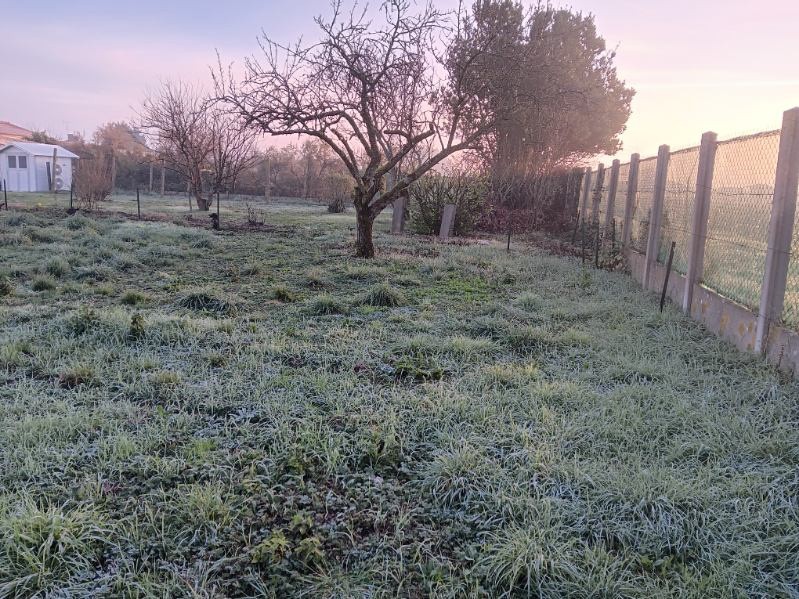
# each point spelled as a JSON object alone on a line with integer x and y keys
{"x": 740, "y": 209}
{"x": 642, "y": 210}
{"x": 678, "y": 207}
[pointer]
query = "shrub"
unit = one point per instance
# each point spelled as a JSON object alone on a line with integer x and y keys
{"x": 137, "y": 329}
{"x": 255, "y": 217}
{"x": 336, "y": 205}
{"x": 431, "y": 193}
{"x": 92, "y": 182}
{"x": 339, "y": 190}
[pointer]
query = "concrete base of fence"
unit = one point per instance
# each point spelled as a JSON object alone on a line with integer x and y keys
{"x": 722, "y": 316}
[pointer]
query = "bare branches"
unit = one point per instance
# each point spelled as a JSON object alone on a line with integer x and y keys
{"x": 206, "y": 144}
{"x": 371, "y": 90}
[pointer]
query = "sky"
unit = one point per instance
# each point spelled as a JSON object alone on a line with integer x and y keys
{"x": 701, "y": 65}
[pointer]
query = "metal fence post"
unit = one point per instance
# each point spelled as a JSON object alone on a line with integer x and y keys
{"x": 600, "y": 180}
{"x": 780, "y": 231}
{"x": 613, "y": 185}
{"x": 586, "y": 191}
{"x": 656, "y": 218}
{"x": 704, "y": 187}
{"x": 629, "y": 203}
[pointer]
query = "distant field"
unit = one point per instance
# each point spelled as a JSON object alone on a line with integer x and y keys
{"x": 255, "y": 413}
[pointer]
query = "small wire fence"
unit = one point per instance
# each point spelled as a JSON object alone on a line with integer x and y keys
{"x": 678, "y": 207}
{"x": 741, "y": 198}
{"x": 621, "y": 194}
{"x": 642, "y": 208}
{"x": 740, "y": 209}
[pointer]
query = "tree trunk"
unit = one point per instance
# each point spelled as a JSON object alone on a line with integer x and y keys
{"x": 364, "y": 247}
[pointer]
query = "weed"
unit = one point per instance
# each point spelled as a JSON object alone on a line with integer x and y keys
{"x": 57, "y": 267}
{"x": 283, "y": 294}
{"x": 325, "y": 304}
{"x": 383, "y": 295}
{"x": 207, "y": 301}
{"x": 133, "y": 298}
{"x": 43, "y": 283}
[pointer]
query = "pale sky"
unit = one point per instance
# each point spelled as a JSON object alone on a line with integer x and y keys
{"x": 697, "y": 65}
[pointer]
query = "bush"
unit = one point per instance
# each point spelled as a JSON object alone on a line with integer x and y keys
{"x": 339, "y": 189}
{"x": 92, "y": 182}
{"x": 431, "y": 193}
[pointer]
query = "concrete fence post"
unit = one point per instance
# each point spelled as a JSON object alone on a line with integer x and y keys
{"x": 612, "y": 187}
{"x": 780, "y": 231}
{"x": 656, "y": 215}
{"x": 447, "y": 222}
{"x": 704, "y": 187}
{"x": 629, "y": 201}
{"x": 398, "y": 215}
{"x": 586, "y": 191}
{"x": 597, "y": 197}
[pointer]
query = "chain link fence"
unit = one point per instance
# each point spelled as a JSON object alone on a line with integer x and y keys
{"x": 642, "y": 209}
{"x": 740, "y": 209}
{"x": 678, "y": 207}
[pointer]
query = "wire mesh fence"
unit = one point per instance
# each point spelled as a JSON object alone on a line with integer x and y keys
{"x": 740, "y": 201}
{"x": 740, "y": 209}
{"x": 621, "y": 194}
{"x": 678, "y": 207}
{"x": 642, "y": 209}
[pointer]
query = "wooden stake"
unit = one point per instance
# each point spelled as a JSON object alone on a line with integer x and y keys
{"x": 596, "y": 245}
{"x": 138, "y": 203}
{"x": 576, "y": 226}
{"x": 582, "y": 241}
{"x": 668, "y": 272}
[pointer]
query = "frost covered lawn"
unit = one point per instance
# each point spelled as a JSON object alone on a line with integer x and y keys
{"x": 256, "y": 413}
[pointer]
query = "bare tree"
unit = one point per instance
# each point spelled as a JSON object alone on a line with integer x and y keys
{"x": 374, "y": 92}
{"x": 198, "y": 139}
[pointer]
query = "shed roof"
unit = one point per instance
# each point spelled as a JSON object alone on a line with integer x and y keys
{"x": 36, "y": 149}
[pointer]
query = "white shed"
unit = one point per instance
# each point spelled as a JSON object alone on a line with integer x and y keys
{"x": 24, "y": 166}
